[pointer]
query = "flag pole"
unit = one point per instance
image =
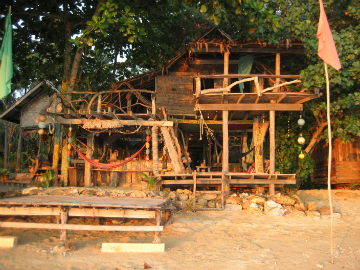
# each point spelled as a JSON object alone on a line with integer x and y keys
{"x": 329, "y": 160}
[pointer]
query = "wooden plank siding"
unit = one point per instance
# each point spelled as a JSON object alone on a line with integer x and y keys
{"x": 345, "y": 162}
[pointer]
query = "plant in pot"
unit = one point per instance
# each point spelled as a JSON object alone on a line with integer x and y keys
{"x": 151, "y": 180}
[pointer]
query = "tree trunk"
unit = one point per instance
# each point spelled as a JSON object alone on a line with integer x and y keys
{"x": 315, "y": 138}
{"x": 56, "y": 155}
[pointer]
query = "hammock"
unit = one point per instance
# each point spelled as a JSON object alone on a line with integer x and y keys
{"x": 232, "y": 153}
{"x": 105, "y": 165}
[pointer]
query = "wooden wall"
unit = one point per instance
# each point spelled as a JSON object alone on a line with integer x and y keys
{"x": 345, "y": 162}
{"x": 30, "y": 113}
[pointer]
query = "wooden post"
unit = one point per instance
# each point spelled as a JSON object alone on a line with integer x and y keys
{"x": 226, "y": 68}
{"x": 90, "y": 146}
{"x": 277, "y": 71}
{"x": 18, "y": 151}
{"x": 64, "y": 218}
{"x": 225, "y": 155}
{"x": 155, "y": 149}
{"x": 157, "y": 235}
{"x": 64, "y": 164}
{"x": 272, "y": 147}
{"x": 56, "y": 155}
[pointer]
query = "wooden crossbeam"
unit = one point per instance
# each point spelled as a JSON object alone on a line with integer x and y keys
{"x": 251, "y": 107}
{"x": 113, "y": 123}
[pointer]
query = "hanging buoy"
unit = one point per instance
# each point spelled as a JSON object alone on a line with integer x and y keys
{"x": 148, "y": 138}
{"x": 147, "y": 145}
{"x": 40, "y": 131}
{"x": 26, "y": 134}
{"x": 301, "y": 140}
{"x": 68, "y": 159}
{"x": 68, "y": 153}
{"x": 301, "y": 122}
{"x": 301, "y": 156}
{"x": 70, "y": 134}
{"x": 69, "y": 146}
{"x": 70, "y": 140}
{"x": 147, "y": 158}
{"x": 148, "y": 151}
{"x": 42, "y": 125}
{"x": 148, "y": 132}
{"x": 42, "y": 118}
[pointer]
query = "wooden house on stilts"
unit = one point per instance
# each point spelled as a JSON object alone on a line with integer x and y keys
{"x": 200, "y": 106}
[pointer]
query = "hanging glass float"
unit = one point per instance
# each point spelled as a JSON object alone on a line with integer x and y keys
{"x": 301, "y": 155}
{"x": 301, "y": 121}
{"x": 42, "y": 125}
{"x": 301, "y": 140}
{"x": 42, "y": 118}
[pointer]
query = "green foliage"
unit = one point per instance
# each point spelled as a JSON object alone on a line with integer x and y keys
{"x": 4, "y": 172}
{"x": 151, "y": 181}
{"x": 48, "y": 176}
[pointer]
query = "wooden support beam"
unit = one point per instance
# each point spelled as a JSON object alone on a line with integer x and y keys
{"x": 225, "y": 154}
{"x": 277, "y": 71}
{"x": 251, "y": 107}
{"x": 96, "y": 124}
{"x": 272, "y": 147}
{"x": 90, "y": 146}
{"x": 100, "y": 115}
{"x": 221, "y": 76}
{"x": 281, "y": 98}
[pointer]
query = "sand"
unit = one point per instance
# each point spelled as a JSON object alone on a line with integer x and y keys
{"x": 207, "y": 240}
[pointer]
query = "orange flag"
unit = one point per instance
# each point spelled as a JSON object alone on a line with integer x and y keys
{"x": 326, "y": 47}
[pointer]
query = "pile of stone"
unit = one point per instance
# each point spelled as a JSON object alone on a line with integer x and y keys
{"x": 182, "y": 199}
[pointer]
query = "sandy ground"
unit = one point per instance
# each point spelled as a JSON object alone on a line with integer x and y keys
{"x": 208, "y": 240}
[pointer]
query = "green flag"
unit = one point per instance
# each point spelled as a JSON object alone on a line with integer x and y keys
{"x": 6, "y": 66}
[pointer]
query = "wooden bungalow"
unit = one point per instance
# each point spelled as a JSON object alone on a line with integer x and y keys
{"x": 215, "y": 88}
{"x": 345, "y": 164}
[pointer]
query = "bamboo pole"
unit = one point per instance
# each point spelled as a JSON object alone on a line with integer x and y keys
{"x": 329, "y": 160}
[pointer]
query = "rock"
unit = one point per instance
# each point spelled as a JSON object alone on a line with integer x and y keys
{"x": 201, "y": 201}
{"x": 272, "y": 208}
{"x": 102, "y": 193}
{"x": 138, "y": 194}
{"x": 211, "y": 204}
{"x": 187, "y": 191}
{"x": 88, "y": 192}
{"x": 56, "y": 191}
{"x": 209, "y": 196}
{"x": 313, "y": 214}
{"x": 271, "y": 198}
{"x": 257, "y": 200}
{"x": 233, "y": 200}
{"x": 300, "y": 206}
{"x": 319, "y": 266}
{"x": 183, "y": 197}
{"x": 218, "y": 204}
{"x": 233, "y": 195}
{"x": 30, "y": 191}
{"x": 297, "y": 199}
{"x": 163, "y": 194}
{"x": 10, "y": 194}
{"x": 180, "y": 205}
{"x": 285, "y": 200}
{"x": 117, "y": 194}
{"x": 172, "y": 196}
{"x": 325, "y": 210}
{"x": 233, "y": 207}
{"x": 255, "y": 209}
{"x": 179, "y": 190}
{"x": 335, "y": 215}
{"x": 167, "y": 190}
{"x": 74, "y": 191}
{"x": 246, "y": 204}
{"x": 70, "y": 247}
{"x": 312, "y": 206}
{"x": 244, "y": 195}
{"x": 295, "y": 213}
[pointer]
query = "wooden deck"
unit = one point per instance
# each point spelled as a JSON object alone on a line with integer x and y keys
{"x": 84, "y": 206}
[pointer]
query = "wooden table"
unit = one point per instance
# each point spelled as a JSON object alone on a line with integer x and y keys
{"x": 86, "y": 206}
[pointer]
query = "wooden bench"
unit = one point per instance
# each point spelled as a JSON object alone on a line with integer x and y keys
{"x": 64, "y": 207}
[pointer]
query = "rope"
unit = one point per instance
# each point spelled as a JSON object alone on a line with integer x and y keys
{"x": 105, "y": 165}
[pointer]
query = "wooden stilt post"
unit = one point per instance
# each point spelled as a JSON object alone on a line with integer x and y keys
{"x": 272, "y": 147}
{"x": 277, "y": 71}
{"x": 225, "y": 155}
{"x": 64, "y": 218}
{"x": 18, "y": 152}
{"x": 56, "y": 154}
{"x": 90, "y": 146}
{"x": 158, "y": 214}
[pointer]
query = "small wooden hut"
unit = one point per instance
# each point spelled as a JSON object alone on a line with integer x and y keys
{"x": 345, "y": 164}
